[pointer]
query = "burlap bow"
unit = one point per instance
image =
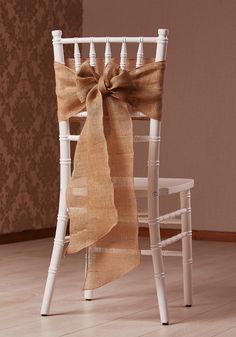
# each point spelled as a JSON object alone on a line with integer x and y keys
{"x": 100, "y": 196}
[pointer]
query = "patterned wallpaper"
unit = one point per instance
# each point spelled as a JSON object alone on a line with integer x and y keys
{"x": 29, "y": 149}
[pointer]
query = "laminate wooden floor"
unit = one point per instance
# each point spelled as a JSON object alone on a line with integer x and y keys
{"x": 124, "y": 308}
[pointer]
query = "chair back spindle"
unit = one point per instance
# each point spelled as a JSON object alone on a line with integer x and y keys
{"x": 123, "y": 54}
{"x": 139, "y": 58}
{"x": 77, "y": 57}
{"x": 107, "y": 52}
{"x": 92, "y": 54}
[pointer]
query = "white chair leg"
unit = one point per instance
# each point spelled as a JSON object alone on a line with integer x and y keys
{"x": 88, "y": 294}
{"x": 185, "y": 200}
{"x": 62, "y": 218}
{"x": 159, "y": 273}
{"x": 54, "y": 263}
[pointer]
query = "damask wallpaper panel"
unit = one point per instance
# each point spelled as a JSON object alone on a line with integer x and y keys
{"x": 29, "y": 151}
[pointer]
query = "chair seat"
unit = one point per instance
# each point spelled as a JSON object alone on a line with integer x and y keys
{"x": 166, "y": 185}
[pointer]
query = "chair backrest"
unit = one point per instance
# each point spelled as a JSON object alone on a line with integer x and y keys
{"x": 155, "y": 126}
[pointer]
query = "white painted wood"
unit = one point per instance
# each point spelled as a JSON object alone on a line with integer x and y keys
{"x": 135, "y": 114}
{"x": 165, "y": 217}
{"x": 173, "y": 239}
{"x": 58, "y": 46}
{"x": 166, "y": 252}
{"x": 148, "y": 252}
{"x": 92, "y": 54}
{"x": 153, "y": 197}
{"x": 73, "y": 138}
{"x": 139, "y": 58}
{"x": 77, "y": 57}
{"x": 107, "y": 51}
{"x": 172, "y": 215}
{"x": 137, "y": 139}
{"x": 144, "y": 220}
{"x": 81, "y": 114}
{"x": 111, "y": 39}
{"x": 166, "y": 186}
{"x": 88, "y": 294}
{"x": 65, "y": 171}
{"x": 154, "y": 227}
{"x": 185, "y": 201}
{"x": 171, "y": 222}
{"x": 62, "y": 218}
{"x": 162, "y": 41}
{"x": 123, "y": 54}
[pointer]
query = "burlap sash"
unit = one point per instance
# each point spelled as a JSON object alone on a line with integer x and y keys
{"x": 100, "y": 196}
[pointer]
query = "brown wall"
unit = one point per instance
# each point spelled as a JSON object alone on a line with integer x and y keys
{"x": 28, "y": 123}
{"x": 199, "y": 136}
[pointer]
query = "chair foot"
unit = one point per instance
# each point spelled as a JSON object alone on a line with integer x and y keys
{"x": 44, "y": 315}
{"x": 167, "y": 323}
{"x": 88, "y": 295}
{"x": 188, "y": 305}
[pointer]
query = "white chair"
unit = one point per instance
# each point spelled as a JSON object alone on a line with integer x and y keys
{"x": 151, "y": 187}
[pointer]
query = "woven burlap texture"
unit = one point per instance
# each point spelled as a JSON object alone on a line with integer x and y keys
{"x": 100, "y": 195}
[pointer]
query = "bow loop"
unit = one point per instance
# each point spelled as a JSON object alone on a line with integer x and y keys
{"x": 86, "y": 79}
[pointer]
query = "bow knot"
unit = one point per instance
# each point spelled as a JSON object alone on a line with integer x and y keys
{"x": 103, "y": 87}
{"x": 113, "y": 81}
